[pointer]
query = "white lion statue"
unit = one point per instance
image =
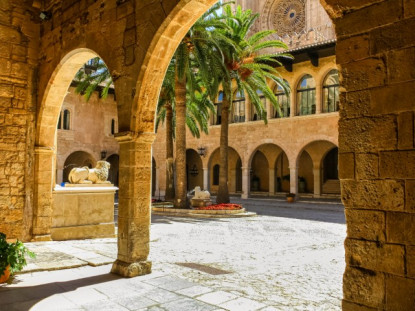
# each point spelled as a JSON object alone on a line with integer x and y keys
{"x": 200, "y": 194}
{"x": 85, "y": 175}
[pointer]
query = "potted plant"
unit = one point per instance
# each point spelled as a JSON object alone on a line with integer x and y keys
{"x": 12, "y": 257}
{"x": 290, "y": 197}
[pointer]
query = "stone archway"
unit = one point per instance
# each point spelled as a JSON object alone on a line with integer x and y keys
{"x": 45, "y": 149}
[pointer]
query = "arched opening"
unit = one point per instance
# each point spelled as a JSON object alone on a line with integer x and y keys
{"x": 259, "y": 173}
{"x": 77, "y": 159}
{"x": 306, "y": 96}
{"x": 238, "y": 113}
{"x": 113, "y": 175}
{"x": 282, "y": 173}
{"x": 234, "y": 171}
{"x": 305, "y": 173}
{"x": 331, "y": 92}
{"x": 269, "y": 171}
{"x": 194, "y": 169}
{"x": 61, "y": 103}
{"x": 331, "y": 183}
{"x": 284, "y": 102}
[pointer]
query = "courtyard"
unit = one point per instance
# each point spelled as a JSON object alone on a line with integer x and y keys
{"x": 289, "y": 257}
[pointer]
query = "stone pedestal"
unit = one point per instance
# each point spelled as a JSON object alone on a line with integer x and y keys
{"x": 83, "y": 212}
{"x": 200, "y": 202}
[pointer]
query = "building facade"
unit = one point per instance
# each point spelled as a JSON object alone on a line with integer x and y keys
{"x": 294, "y": 152}
{"x": 41, "y": 53}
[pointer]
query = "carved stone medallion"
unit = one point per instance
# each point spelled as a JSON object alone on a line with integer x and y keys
{"x": 284, "y": 16}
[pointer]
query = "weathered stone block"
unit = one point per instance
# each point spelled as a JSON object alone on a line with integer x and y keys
{"x": 410, "y": 261}
{"x": 355, "y": 104}
{"x": 409, "y": 8}
{"x": 346, "y": 165}
{"x": 360, "y": 75}
{"x": 375, "y": 256}
{"x": 380, "y": 194}
{"x": 368, "y": 134}
{"x": 369, "y": 17}
{"x": 385, "y": 99}
{"x": 352, "y": 48}
{"x": 367, "y": 166}
{"x": 393, "y": 36}
{"x": 399, "y": 65}
{"x": 364, "y": 287}
{"x": 400, "y": 228}
{"x": 406, "y": 130}
{"x": 410, "y": 195}
{"x": 366, "y": 225}
{"x": 397, "y": 164}
{"x": 400, "y": 293}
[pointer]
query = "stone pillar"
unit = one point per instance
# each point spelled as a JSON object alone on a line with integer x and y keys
{"x": 317, "y": 182}
{"x": 271, "y": 181}
{"x": 319, "y": 97}
{"x": 293, "y": 99}
{"x": 245, "y": 182}
{"x": 247, "y": 110}
{"x": 232, "y": 181}
{"x": 294, "y": 180}
{"x": 134, "y": 204}
{"x": 268, "y": 106}
{"x": 205, "y": 178}
{"x": 45, "y": 164}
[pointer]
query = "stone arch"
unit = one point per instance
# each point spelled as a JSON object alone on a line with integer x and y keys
{"x": 317, "y": 150}
{"x": 234, "y": 170}
{"x": 270, "y": 178}
{"x": 45, "y": 139}
{"x": 194, "y": 169}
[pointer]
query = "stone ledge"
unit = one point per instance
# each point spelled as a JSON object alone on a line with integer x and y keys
{"x": 167, "y": 211}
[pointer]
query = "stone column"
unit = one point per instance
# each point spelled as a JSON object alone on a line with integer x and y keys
{"x": 245, "y": 182}
{"x": 293, "y": 99}
{"x": 134, "y": 204}
{"x": 45, "y": 164}
{"x": 268, "y": 107}
{"x": 205, "y": 178}
{"x": 317, "y": 182}
{"x": 271, "y": 181}
{"x": 294, "y": 180}
{"x": 247, "y": 110}
{"x": 319, "y": 97}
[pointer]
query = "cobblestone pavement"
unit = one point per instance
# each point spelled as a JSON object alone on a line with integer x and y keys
{"x": 286, "y": 258}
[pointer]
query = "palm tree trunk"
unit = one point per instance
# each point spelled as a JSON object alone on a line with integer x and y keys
{"x": 181, "y": 182}
{"x": 169, "y": 196}
{"x": 223, "y": 191}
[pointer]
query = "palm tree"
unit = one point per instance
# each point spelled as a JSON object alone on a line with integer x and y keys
{"x": 198, "y": 109}
{"x": 249, "y": 70}
{"x": 197, "y": 54}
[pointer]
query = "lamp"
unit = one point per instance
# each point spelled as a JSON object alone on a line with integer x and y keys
{"x": 201, "y": 151}
{"x": 103, "y": 154}
{"x": 194, "y": 171}
{"x": 44, "y": 15}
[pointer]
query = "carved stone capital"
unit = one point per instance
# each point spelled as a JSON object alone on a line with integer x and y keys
{"x": 130, "y": 270}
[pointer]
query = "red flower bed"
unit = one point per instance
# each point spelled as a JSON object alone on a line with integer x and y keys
{"x": 221, "y": 207}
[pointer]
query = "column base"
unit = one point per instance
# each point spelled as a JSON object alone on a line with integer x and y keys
{"x": 244, "y": 196}
{"x": 130, "y": 270}
{"x": 42, "y": 238}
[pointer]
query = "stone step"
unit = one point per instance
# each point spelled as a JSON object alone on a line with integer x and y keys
{"x": 331, "y": 186}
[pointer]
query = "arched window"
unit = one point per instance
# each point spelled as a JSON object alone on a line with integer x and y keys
{"x": 239, "y": 108}
{"x": 112, "y": 127}
{"x": 218, "y": 105}
{"x": 331, "y": 92}
{"x": 306, "y": 96}
{"x": 254, "y": 114}
{"x": 66, "y": 119}
{"x": 216, "y": 174}
{"x": 283, "y": 101}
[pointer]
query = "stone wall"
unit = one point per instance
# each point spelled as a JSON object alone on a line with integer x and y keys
{"x": 19, "y": 41}
{"x": 376, "y": 53}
